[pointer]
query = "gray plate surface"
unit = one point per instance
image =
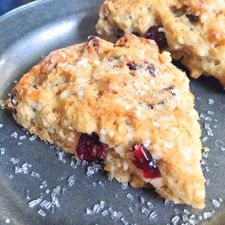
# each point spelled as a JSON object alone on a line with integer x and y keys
{"x": 32, "y": 170}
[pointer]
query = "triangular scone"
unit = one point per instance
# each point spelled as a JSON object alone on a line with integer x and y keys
{"x": 125, "y": 103}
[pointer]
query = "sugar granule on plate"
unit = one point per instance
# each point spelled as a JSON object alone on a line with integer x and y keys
{"x": 14, "y": 135}
{"x": 44, "y": 183}
{"x": 78, "y": 162}
{"x": 105, "y": 212}
{"x": 184, "y": 218}
{"x": 55, "y": 201}
{"x": 71, "y": 180}
{"x": 129, "y": 196}
{"x": 61, "y": 156}
{"x": 204, "y": 139}
{"x": 208, "y": 118}
{"x": 22, "y": 137}
{"x": 200, "y": 218}
{"x": 131, "y": 209}
{"x": 210, "y": 101}
{"x": 211, "y": 113}
{"x": 89, "y": 211}
{"x": 176, "y": 211}
{"x": 41, "y": 213}
{"x": 48, "y": 205}
{"x": 124, "y": 186}
{"x": 207, "y": 215}
{"x": 34, "y": 174}
{"x": 150, "y": 205}
{"x": 73, "y": 165}
{"x": 7, "y": 220}
{"x": 116, "y": 215}
{"x": 220, "y": 144}
{"x": 57, "y": 189}
{"x": 2, "y": 150}
{"x": 96, "y": 208}
{"x": 142, "y": 200}
{"x": 145, "y": 211}
{"x": 175, "y": 220}
{"x": 43, "y": 203}
{"x": 28, "y": 195}
{"x": 153, "y": 215}
{"x": 90, "y": 171}
{"x": 23, "y": 169}
{"x": 101, "y": 184}
{"x": 123, "y": 220}
{"x": 216, "y": 203}
{"x": 35, "y": 202}
{"x": 33, "y": 137}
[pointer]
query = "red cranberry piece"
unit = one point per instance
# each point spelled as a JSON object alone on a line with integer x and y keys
{"x": 145, "y": 162}
{"x": 89, "y": 147}
{"x": 158, "y": 36}
{"x": 192, "y": 18}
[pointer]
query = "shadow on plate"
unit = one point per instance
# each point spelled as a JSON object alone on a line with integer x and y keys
{"x": 87, "y": 25}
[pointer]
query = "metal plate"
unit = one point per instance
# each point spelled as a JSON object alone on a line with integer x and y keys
{"x": 26, "y": 167}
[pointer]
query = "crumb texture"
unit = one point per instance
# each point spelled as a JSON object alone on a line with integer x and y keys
{"x": 194, "y": 29}
{"x": 128, "y": 94}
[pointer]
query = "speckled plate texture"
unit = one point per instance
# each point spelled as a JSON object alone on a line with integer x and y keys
{"x": 39, "y": 185}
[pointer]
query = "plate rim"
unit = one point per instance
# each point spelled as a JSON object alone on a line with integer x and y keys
{"x": 21, "y": 9}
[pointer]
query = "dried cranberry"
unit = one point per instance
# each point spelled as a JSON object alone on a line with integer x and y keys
{"x": 170, "y": 90}
{"x": 136, "y": 34}
{"x": 150, "y": 68}
{"x": 89, "y": 147}
{"x": 36, "y": 86}
{"x": 150, "y": 106}
{"x": 132, "y": 65}
{"x": 192, "y": 18}
{"x": 158, "y": 36}
{"x": 145, "y": 162}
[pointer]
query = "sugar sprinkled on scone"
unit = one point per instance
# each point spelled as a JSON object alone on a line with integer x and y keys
{"x": 192, "y": 30}
{"x": 124, "y": 103}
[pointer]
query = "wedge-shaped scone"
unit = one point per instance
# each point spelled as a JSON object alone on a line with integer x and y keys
{"x": 192, "y": 30}
{"x": 124, "y": 103}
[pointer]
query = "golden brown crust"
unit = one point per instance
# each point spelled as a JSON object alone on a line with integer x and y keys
{"x": 126, "y": 93}
{"x": 194, "y": 29}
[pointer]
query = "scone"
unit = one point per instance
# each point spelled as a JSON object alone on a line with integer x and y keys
{"x": 192, "y": 30}
{"x": 124, "y": 103}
